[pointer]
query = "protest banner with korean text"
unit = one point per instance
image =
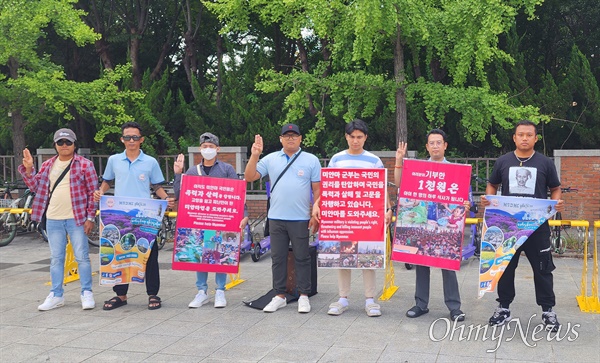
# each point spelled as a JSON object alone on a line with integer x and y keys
{"x": 431, "y": 213}
{"x": 207, "y": 234}
{"x": 352, "y": 230}
{"x": 128, "y": 228}
{"x": 507, "y": 223}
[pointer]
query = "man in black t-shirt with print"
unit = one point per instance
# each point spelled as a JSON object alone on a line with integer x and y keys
{"x": 524, "y": 164}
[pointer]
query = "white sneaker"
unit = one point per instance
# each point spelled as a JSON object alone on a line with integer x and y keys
{"x": 200, "y": 299}
{"x": 52, "y": 302}
{"x": 220, "y": 301}
{"x": 303, "y": 304}
{"x": 275, "y": 304}
{"x": 87, "y": 300}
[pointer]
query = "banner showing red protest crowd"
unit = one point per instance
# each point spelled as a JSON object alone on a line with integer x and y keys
{"x": 431, "y": 213}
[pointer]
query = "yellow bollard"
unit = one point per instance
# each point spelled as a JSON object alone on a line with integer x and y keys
{"x": 235, "y": 280}
{"x": 389, "y": 287}
{"x": 589, "y": 303}
{"x": 71, "y": 271}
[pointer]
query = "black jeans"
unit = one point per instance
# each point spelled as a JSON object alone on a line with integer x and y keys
{"x": 282, "y": 232}
{"x": 538, "y": 251}
{"x": 152, "y": 275}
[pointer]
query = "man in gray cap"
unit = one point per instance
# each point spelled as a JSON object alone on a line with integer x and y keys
{"x": 294, "y": 174}
{"x": 209, "y": 166}
{"x": 64, "y": 188}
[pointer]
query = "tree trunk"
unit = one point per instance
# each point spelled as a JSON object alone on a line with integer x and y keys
{"x": 134, "y": 56}
{"x": 18, "y": 132}
{"x": 95, "y": 21}
{"x": 219, "y": 70}
{"x": 101, "y": 46}
{"x": 166, "y": 48}
{"x": 18, "y": 122}
{"x": 189, "y": 60}
{"x": 399, "y": 76}
{"x": 305, "y": 68}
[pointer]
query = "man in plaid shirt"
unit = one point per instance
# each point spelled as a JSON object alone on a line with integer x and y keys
{"x": 70, "y": 210}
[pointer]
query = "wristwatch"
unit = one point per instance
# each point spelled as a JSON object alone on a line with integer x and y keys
{"x": 93, "y": 220}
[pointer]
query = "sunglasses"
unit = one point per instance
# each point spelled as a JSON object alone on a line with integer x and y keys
{"x": 134, "y": 138}
{"x": 62, "y": 142}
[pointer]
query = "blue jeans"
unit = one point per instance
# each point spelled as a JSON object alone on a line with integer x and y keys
{"x": 57, "y": 240}
{"x": 201, "y": 277}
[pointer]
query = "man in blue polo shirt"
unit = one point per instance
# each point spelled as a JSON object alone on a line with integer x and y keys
{"x": 133, "y": 172}
{"x": 289, "y": 212}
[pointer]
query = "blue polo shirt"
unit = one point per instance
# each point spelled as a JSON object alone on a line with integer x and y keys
{"x": 291, "y": 198}
{"x": 133, "y": 178}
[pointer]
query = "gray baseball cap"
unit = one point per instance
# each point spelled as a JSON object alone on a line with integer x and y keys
{"x": 66, "y": 134}
{"x": 208, "y": 137}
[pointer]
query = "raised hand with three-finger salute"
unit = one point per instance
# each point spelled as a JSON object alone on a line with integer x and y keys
{"x": 400, "y": 154}
{"x": 27, "y": 161}
{"x": 257, "y": 146}
{"x": 178, "y": 164}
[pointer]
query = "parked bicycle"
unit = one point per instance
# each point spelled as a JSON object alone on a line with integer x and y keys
{"x": 11, "y": 223}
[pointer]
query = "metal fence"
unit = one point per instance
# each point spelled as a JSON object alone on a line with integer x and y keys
{"x": 481, "y": 167}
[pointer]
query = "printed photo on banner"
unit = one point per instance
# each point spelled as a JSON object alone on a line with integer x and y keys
{"x": 507, "y": 223}
{"x": 207, "y": 235}
{"x": 352, "y": 229}
{"x": 431, "y": 214}
{"x": 351, "y": 254}
{"x": 128, "y": 228}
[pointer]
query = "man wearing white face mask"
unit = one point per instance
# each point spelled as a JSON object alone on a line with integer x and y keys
{"x": 209, "y": 166}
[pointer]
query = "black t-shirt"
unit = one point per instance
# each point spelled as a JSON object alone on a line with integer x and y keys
{"x": 533, "y": 179}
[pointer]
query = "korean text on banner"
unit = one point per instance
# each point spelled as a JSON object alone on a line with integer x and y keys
{"x": 207, "y": 234}
{"x": 431, "y": 213}
{"x": 128, "y": 228}
{"x": 352, "y": 230}
{"x": 507, "y": 223}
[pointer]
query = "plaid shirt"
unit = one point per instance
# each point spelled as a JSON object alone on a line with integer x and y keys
{"x": 83, "y": 181}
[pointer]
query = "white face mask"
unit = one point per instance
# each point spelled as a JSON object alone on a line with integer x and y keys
{"x": 208, "y": 153}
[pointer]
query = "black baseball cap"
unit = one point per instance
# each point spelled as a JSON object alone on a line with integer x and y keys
{"x": 290, "y": 127}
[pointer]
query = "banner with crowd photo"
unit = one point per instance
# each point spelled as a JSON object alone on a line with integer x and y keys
{"x": 128, "y": 228}
{"x": 507, "y": 223}
{"x": 207, "y": 233}
{"x": 431, "y": 214}
{"x": 352, "y": 230}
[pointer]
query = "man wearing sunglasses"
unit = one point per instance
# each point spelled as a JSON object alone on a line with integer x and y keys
{"x": 64, "y": 188}
{"x": 133, "y": 172}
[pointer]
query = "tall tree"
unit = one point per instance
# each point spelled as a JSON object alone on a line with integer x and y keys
{"x": 22, "y": 24}
{"x": 459, "y": 38}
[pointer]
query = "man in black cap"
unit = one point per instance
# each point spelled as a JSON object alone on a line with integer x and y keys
{"x": 294, "y": 175}
{"x": 64, "y": 188}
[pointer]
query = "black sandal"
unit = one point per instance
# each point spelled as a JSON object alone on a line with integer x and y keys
{"x": 154, "y": 302}
{"x": 114, "y": 303}
{"x": 416, "y": 311}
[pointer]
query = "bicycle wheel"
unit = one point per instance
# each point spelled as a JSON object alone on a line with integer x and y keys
{"x": 8, "y": 228}
{"x": 477, "y": 241}
{"x": 42, "y": 232}
{"x": 161, "y": 237}
{"x": 94, "y": 236}
{"x": 559, "y": 244}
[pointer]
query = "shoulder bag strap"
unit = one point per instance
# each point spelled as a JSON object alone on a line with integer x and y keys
{"x": 284, "y": 170}
{"x": 60, "y": 178}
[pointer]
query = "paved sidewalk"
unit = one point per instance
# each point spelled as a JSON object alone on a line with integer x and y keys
{"x": 240, "y": 334}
